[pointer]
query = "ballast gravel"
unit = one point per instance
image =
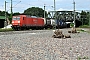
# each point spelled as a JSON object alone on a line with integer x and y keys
{"x": 40, "y": 45}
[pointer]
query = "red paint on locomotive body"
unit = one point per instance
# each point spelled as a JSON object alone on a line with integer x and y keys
{"x": 27, "y": 21}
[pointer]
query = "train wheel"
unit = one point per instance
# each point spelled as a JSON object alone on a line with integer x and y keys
{"x": 22, "y": 28}
{"x": 17, "y": 29}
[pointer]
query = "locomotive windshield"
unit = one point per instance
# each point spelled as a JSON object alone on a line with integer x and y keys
{"x": 16, "y": 18}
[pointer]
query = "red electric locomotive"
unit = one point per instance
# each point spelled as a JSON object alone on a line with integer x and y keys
{"x": 21, "y": 22}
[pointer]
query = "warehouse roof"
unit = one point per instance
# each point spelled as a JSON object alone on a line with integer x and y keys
{"x": 2, "y": 17}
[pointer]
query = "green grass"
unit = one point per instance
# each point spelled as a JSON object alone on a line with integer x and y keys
{"x": 5, "y": 30}
{"x": 81, "y": 30}
{"x": 84, "y": 26}
{"x": 79, "y": 58}
{"x": 88, "y": 31}
{"x": 70, "y": 48}
{"x": 85, "y": 57}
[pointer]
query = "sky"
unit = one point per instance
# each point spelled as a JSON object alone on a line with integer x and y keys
{"x": 21, "y": 5}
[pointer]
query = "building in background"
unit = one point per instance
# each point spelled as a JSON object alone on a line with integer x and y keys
{"x": 2, "y": 19}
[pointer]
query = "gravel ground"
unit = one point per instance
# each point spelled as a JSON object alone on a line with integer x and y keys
{"x": 39, "y": 45}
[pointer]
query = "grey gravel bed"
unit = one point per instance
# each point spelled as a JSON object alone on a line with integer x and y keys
{"x": 39, "y": 45}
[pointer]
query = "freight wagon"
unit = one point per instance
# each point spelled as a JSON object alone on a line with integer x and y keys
{"x": 50, "y": 23}
{"x": 60, "y": 24}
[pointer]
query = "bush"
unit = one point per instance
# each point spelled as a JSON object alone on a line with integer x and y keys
{"x": 72, "y": 24}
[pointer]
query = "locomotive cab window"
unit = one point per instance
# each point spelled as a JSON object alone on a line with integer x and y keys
{"x": 16, "y": 18}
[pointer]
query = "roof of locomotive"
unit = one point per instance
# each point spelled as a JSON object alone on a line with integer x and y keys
{"x": 27, "y": 16}
{"x": 19, "y": 15}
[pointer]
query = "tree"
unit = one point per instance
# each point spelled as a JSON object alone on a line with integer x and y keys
{"x": 35, "y": 11}
{"x": 84, "y": 17}
{"x": 17, "y": 13}
{"x": 2, "y": 13}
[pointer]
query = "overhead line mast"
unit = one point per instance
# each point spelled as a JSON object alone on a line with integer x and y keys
{"x": 5, "y": 23}
{"x": 11, "y": 9}
{"x": 54, "y": 6}
{"x": 74, "y": 12}
{"x": 44, "y": 11}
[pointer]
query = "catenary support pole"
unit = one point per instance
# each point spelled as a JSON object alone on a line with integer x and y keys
{"x": 5, "y": 23}
{"x": 11, "y": 9}
{"x": 74, "y": 12}
{"x": 44, "y": 11}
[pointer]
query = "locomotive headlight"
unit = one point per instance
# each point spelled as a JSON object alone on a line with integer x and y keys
{"x": 18, "y": 21}
{"x": 12, "y": 21}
